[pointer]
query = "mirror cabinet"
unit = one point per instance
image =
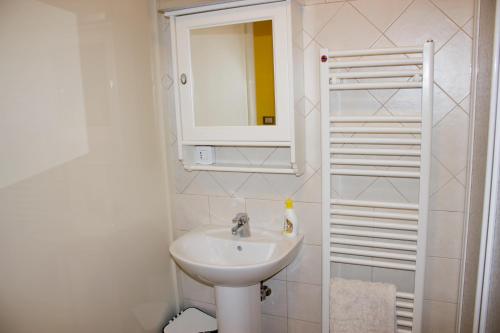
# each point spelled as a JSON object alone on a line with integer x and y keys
{"x": 238, "y": 79}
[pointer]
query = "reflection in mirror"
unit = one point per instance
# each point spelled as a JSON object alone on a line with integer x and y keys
{"x": 233, "y": 75}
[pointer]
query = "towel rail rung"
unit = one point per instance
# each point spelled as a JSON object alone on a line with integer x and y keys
{"x": 366, "y": 162}
{"x": 404, "y": 295}
{"x": 380, "y": 152}
{"x": 405, "y": 314}
{"x": 373, "y": 234}
{"x": 375, "y": 74}
{"x": 375, "y": 119}
{"x": 406, "y": 323}
{"x": 376, "y": 63}
{"x": 382, "y": 215}
{"x": 372, "y": 263}
{"x": 376, "y": 85}
{"x": 375, "y": 244}
{"x": 373, "y": 254}
{"x": 376, "y": 130}
{"x": 372, "y": 52}
{"x": 375, "y": 173}
{"x": 376, "y": 224}
{"x": 375, "y": 204}
{"x": 376, "y": 141}
{"x": 405, "y": 305}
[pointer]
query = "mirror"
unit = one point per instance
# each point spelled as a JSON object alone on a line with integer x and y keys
{"x": 233, "y": 75}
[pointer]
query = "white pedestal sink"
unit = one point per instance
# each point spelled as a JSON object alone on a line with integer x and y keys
{"x": 235, "y": 266}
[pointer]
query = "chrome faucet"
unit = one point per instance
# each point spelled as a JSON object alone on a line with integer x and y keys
{"x": 242, "y": 227}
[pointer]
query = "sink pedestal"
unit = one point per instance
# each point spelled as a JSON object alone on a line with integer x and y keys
{"x": 238, "y": 309}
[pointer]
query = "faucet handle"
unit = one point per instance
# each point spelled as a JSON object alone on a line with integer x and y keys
{"x": 241, "y": 218}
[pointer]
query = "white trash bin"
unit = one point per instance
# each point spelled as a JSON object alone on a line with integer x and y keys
{"x": 191, "y": 320}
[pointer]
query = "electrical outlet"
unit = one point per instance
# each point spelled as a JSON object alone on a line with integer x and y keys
{"x": 204, "y": 155}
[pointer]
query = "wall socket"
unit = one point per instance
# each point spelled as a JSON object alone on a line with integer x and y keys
{"x": 204, "y": 155}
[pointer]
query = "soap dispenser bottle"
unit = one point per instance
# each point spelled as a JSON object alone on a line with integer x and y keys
{"x": 290, "y": 225}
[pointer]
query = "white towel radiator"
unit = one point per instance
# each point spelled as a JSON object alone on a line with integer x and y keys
{"x": 381, "y": 234}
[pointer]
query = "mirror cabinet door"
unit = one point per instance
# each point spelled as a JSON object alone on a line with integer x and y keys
{"x": 233, "y": 74}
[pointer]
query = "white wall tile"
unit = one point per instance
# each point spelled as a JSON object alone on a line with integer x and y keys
{"x": 306, "y": 267}
{"x": 439, "y": 175}
{"x": 229, "y": 155}
{"x": 304, "y": 301}
{"x": 382, "y": 190}
{"x": 204, "y": 183}
{"x": 281, "y": 275}
{"x": 442, "y": 104}
{"x": 316, "y": 17}
{"x": 357, "y": 31}
{"x": 313, "y": 2}
{"x": 445, "y": 234}
{"x": 454, "y": 57}
{"x": 465, "y": 104}
{"x": 405, "y": 102}
{"x": 230, "y": 181}
{"x": 462, "y": 176}
{"x": 195, "y": 290}
{"x": 450, "y": 137}
{"x": 276, "y": 303}
{"x": 347, "y": 271}
{"x": 256, "y": 186}
{"x": 313, "y": 139}
{"x": 354, "y": 102}
{"x": 410, "y": 29}
{"x": 311, "y": 190}
{"x": 273, "y": 324}
{"x": 306, "y": 39}
{"x": 190, "y": 211}
{"x": 439, "y": 317}
{"x": 311, "y": 67}
{"x": 441, "y": 279}
{"x": 407, "y": 187}
{"x": 182, "y": 177}
{"x": 266, "y": 214}
{"x": 256, "y": 155}
{"x": 309, "y": 216}
{"x": 223, "y": 209}
{"x": 299, "y": 326}
{"x": 382, "y": 12}
{"x": 469, "y": 27}
{"x": 460, "y": 11}
{"x": 450, "y": 197}
{"x": 351, "y": 187}
{"x": 287, "y": 185}
{"x": 403, "y": 280}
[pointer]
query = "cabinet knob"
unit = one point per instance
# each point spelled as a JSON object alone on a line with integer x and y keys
{"x": 183, "y": 78}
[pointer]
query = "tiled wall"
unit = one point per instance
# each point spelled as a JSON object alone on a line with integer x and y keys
{"x": 211, "y": 197}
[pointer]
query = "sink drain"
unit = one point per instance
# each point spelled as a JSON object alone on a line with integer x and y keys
{"x": 239, "y": 248}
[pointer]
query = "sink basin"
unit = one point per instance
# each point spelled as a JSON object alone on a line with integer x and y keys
{"x": 234, "y": 266}
{"x": 212, "y": 254}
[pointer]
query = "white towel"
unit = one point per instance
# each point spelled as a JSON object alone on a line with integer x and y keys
{"x": 362, "y": 307}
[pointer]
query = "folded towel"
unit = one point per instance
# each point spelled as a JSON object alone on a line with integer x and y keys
{"x": 362, "y": 307}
